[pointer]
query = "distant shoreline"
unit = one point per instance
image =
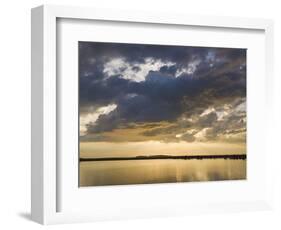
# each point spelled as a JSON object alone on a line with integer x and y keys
{"x": 167, "y": 157}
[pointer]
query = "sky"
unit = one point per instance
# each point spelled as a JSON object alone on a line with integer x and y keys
{"x": 139, "y": 99}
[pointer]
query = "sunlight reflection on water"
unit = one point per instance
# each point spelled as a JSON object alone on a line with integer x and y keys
{"x": 160, "y": 171}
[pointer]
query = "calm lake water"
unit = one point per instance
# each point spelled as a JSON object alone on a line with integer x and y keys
{"x": 96, "y": 173}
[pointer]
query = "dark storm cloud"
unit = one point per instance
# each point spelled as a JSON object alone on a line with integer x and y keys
{"x": 137, "y": 109}
{"x": 169, "y": 69}
{"x": 137, "y": 53}
{"x": 214, "y": 76}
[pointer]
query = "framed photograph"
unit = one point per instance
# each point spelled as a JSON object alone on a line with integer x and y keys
{"x": 140, "y": 114}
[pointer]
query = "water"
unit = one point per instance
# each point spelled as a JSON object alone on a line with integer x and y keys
{"x": 96, "y": 173}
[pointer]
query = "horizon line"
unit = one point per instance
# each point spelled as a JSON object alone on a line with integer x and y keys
{"x": 163, "y": 157}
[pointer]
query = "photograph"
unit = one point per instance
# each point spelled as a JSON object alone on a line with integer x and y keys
{"x": 154, "y": 113}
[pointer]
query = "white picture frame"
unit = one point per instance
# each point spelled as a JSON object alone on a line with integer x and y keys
{"x": 45, "y": 172}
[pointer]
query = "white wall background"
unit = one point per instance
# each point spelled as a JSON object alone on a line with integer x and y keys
{"x": 15, "y": 113}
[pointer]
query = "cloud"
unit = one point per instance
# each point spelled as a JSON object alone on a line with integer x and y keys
{"x": 188, "y": 88}
{"x": 90, "y": 118}
{"x": 136, "y": 72}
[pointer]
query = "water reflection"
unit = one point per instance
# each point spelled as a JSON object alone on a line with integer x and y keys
{"x": 160, "y": 171}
